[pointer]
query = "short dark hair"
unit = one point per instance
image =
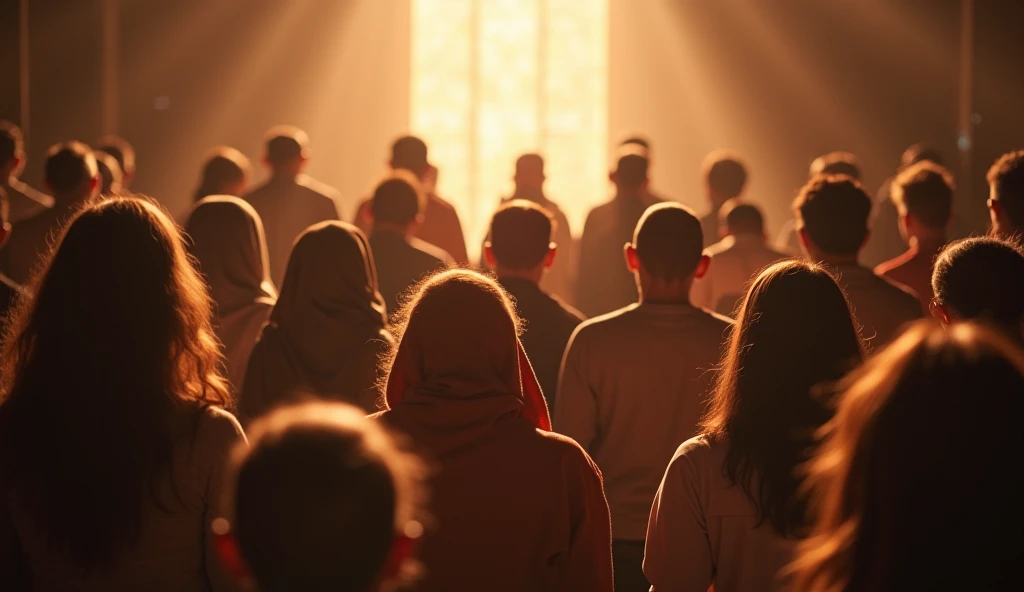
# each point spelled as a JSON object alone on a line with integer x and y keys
{"x": 741, "y": 217}
{"x": 640, "y": 141}
{"x": 530, "y": 162}
{"x": 110, "y": 172}
{"x": 68, "y": 165}
{"x": 834, "y": 210}
{"x": 725, "y": 174}
{"x": 521, "y": 234}
{"x": 920, "y": 153}
{"x": 121, "y": 150}
{"x": 925, "y": 191}
{"x": 319, "y": 497}
{"x": 1006, "y": 180}
{"x": 409, "y": 153}
{"x": 285, "y": 143}
{"x": 11, "y": 141}
{"x": 982, "y": 278}
{"x": 397, "y": 199}
{"x": 631, "y": 171}
{"x": 836, "y": 163}
{"x": 669, "y": 241}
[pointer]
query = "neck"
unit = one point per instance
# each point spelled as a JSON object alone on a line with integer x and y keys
{"x": 393, "y": 228}
{"x": 7, "y": 175}
{"x": 533, "y": 194}
{"x": 675, "y": 292}
{"x": 928, "y": 241}
{"x": 621, "y": 193}
{"x": 532, "y": 275}
{"x": 836, "y": 260}
{"x": 284, "y": 175}
{"x": 69, "y": 198}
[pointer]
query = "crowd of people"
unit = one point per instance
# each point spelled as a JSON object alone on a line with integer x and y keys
{"x": 272, "y": 397}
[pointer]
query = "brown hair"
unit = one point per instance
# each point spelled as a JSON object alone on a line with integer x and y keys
{"x": 521, "y": 234}
{"x": 925, "y": 191}
{"x": 834, "y": 210}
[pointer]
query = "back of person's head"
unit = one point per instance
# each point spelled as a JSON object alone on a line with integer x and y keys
{"x": 12, "y": 145}
{"x": 122, "y": 152}
{"x": 409, "y": 153}
{"x": 521, "y": 234}
{"x": 740, "y": 217}
{"x": 110, "y": 359}
{"x": 224, "y": 173}
{"x": 794, "y": 332}
{"x": 834, "y": 212}
{"x": 924, "y": 191}
{"x": 920, "y": 153}
{"x": 836, "y": 163}
{"x": 635, "y": 144}
{"x": 398, "y": 199}
{"x": 725, "y": 175}
{"x": 228, "y": 242}
{"x": 916, "y": 483}
{"x": 631, "y": 172}
{"x": 981, "y": 279}
{"x": 530, "y": 171}
{"x": 110, "y": 174}
{"x": 1006, "y": 188}
{"x": 71, "y": 170}
{"x": 286, "y": 146}
{"x": 324, "y": 500}
{"x": 668, "y": 242}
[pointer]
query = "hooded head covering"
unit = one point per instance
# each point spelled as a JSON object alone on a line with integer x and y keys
{"x": 460, "y": 362}
{"x": 327, "y": 331}
{"x": 227, "y": 240}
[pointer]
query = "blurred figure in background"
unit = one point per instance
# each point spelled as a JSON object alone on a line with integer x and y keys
{"x": 290, "y": 201}
{"x": 225, "y": 172}
{"x": 440, "y": 225}
{"x": 642, "y": 146}
{"x": 10, "y": 291}
{"x": 521, "y": 252}
{"x": 402, "y": 259}
{"x": 725, "y": 178}
{"x": 123, "y": 153}
{"x": 730, "y": 510}
{"x": 603, "y": 283}
{"x": 923, "y": 194}
{"x": 833, "y": 214}
{"x": 113, "y": 431}
{"x": 73, "y": 178}
{"x": 328, "y": 328}
{"x": 916, "y": 484}
{"x": 110, "y": 174}
{"x": 517, "y": 507}
{"x": 228, "y": 243}
{"x": 981, "y": 279}
{"x": 633, "y": 382}
{"x": 559, "y": 280}
{"x": 24, "y": 201}
{"x": 735, "y": 260}
{"x": 1006, "y": 195}
{"x": 324, "y": 501}
{"x": 832, "y": 163}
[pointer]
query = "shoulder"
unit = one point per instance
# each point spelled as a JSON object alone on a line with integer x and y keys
{"x": 696, "y": 455}
{"x": 568, "y": 311}
{"x": 436, "y": 201}
{"x": 568, "y": 450}
{"x": 900, "y": 293}
{"x": 715, "y": 321}
{"x": 320, "y": 189}
{"x": 218, "y": 430}
{"x": 431, "y": 251}
{"x": 604, "y": 326}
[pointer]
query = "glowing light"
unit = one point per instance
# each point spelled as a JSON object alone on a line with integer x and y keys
{"x": 492, "y": 79}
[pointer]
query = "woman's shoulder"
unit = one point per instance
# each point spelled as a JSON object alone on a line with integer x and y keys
{"x": 698, "y": 454}
{"x": 217, "y": 428}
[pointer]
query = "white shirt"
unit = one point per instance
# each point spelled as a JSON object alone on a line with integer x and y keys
{"x": 735, "y": 261}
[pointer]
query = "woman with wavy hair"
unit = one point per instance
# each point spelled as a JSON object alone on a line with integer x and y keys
{"x": 113, "y": 429}
{"x": 231, "y": 249}
{"x": 917, "y": 484}
{"x": 729, "y": 509}
{"x": 516, "y": 507}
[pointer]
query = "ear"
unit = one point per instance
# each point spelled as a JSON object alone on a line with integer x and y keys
{"x": 646, "y": 184}
{"x": 228, "y": 552}
{"x": 805, "y": 240}
{"x": 489, "y": 255}
{"x": 391, "y": 164}
{"x": 266, "y": 161}
{"x": 632, "y": 259}
{"x": 549, "y": 259}
{"x": 702, "y": 267}
{"x": 939, "y": 312}
{"x": 613, "y": 177}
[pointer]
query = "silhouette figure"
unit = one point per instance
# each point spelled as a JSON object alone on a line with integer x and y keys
{"x": 123, "y": 153}
{"x": 1006, "y": 194}
{"x": 225, "y": 172}
{"x": 24, "y": 201}
{"x": 725, "y": 178}
{"x": 832, "y": 163}
{"x": 110, "y": 174}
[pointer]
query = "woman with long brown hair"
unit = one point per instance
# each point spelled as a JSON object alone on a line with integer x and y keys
{"x": 227, "y": 241}
{"x": 113, "y": 433}
{"x": 517, "y": 508}
{"x": 729, "y": 508}
{"x": 917, "y": 484}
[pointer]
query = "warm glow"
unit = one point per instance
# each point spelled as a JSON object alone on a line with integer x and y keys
{"x": 492, "y": 79}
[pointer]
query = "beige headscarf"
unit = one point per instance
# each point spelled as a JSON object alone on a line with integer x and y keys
{"x": 328, "y": 329}
{"x": 227, "y": 240}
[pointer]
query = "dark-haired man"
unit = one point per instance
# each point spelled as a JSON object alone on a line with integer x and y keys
{"x": 402, "y": 260}
{"x": 831, "y": 163}
{"x": 520, "y": 251}
{"x": 833, "y": 213}
{"x": 633, "y": 383}
{"x": 923, "y": 194}
{"x": 440, "y": 225}
{"x": 123, "y": 153}
{"x": 1006, "y": 194}
{"x": 24, "y": 201}
{"x": 289, "y": 202}
{"x": 73, "y": 178}
{"x": 736, "y": 259}
{"x": 725, "y": 178}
